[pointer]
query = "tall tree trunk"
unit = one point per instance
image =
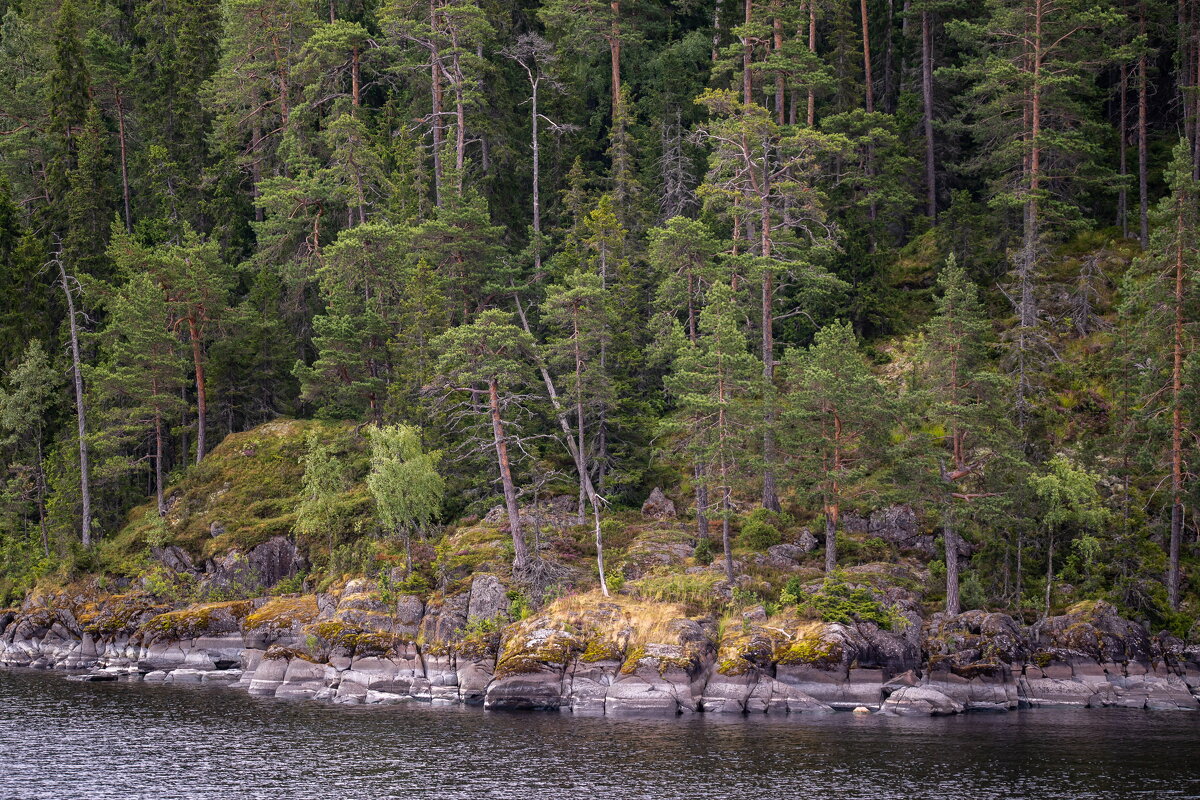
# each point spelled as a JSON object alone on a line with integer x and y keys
{"x": 812, "y": 48}
{"x": 1123, "y": 151}
{"x": 866, "y": 47}
{"x": 1027, "y": 312}
{"x": 1049, "y": 574}
{"x": 581, "y": 449}
{"x": 85, "y": 488}
{"x": 770, "y": 494}
{"x": 614, "y": 56}
{"x": 889, "y": 56}
{"x": 201, "y": 386}
{"x": 536, "y": 195}
{"x": 927, "y": 103}
{"x": 747, "y": 55}
{"x": 950, "y": 541}
{"x": 1143, "y": 145}
{"x": 520, "y": 554}
{"x": 40, "y": 477}
{"x": 158, "y": 464}
{"x": 435, "y": 89}
{"x": 1177, "y": 418}
{"x": 124, "y": 163}
{"x": 777, "y": 25}
{"x": 716, "y": 25}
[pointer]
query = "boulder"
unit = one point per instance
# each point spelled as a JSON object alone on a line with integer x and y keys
{"x": 658, "y": 506}
{"x": 922, "y": 701}
{"x": 895, "y": 524}
{"x": 787, "y": 555}
{"x": 488, "y": 598}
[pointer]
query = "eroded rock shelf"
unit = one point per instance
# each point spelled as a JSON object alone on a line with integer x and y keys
{"x": 592, "y": 655}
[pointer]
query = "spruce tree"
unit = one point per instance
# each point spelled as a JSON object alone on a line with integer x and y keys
{"x": 25, "y": 408}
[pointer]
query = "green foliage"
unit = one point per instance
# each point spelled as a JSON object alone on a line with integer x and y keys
{"x": 704, "y": 551}
{"x": 838, "y": 601}
{"x": 759, "y": 535}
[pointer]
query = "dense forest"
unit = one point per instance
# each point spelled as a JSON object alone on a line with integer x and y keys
{"x": 787, "y": 259}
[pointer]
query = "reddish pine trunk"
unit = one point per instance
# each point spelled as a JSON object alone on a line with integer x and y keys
{"x": 201, "y": 389}
{"x": 614, "y": 56}
{"x": 927, "y": 101}
{"x": 866, "y": 45}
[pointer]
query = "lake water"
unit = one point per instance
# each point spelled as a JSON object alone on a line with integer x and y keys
{"x": 63, "y": 739}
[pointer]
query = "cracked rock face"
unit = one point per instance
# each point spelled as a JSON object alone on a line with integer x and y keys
{"x": 603, "y": 657}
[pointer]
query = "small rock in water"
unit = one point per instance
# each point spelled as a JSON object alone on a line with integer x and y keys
{"x": 861, "y": 710}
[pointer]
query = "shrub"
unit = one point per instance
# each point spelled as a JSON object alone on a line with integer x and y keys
{"x": 759, "y": 535}
{"x": 518, "y": 605}
{"x": 837, "y": 601}
{"x": 705, "y": 551}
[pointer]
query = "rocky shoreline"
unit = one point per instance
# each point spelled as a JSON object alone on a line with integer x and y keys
{"x": 598, "y": 656}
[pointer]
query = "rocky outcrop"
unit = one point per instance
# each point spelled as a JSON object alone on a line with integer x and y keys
{"x": 658, "y": 506}
{"x": 602, "y": 656}
{"x": 896, "y": 525}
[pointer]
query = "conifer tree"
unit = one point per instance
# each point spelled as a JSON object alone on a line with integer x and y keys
{"x": 837, "y": 419}
{"x": 88, "y": 203}
{"x": 140, "y": 376}
{"x": 25, "y": 407}
{"x": 965, "y": 400}
{"x": 1031, "y": 77}
{"x": 713, "y": 383}
{"x": 487, "y": 361}
{"x": 579, "y": 314}
{"x": 194, "y": 282}
{"x": 1162, "y": 314}
{"x": 768, "y": 176}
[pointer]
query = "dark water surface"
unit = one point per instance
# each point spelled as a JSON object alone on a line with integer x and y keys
{"x": 61, "y": 739}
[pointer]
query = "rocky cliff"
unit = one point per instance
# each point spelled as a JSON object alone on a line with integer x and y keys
{"x": 358, "y": 643}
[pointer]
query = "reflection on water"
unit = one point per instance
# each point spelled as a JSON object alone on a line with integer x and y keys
{"x": 61, "y": 739}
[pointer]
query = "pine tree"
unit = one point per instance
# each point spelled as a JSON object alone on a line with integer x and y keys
{"x": 838, "y": 419}
{"x": 578, "y": 312}
{"x": 361, "y": 280}
{"x": 963, "y": 401}
{"x": 141, "y": 376}
{"x": 713, "y": 383}
{"x": 1161, "y": 315}
{"x": 195, "y": 283}
{"x": 487, "y": 360}
{"x": 768, "y": 176}
{"x": 1032, "y": 75}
